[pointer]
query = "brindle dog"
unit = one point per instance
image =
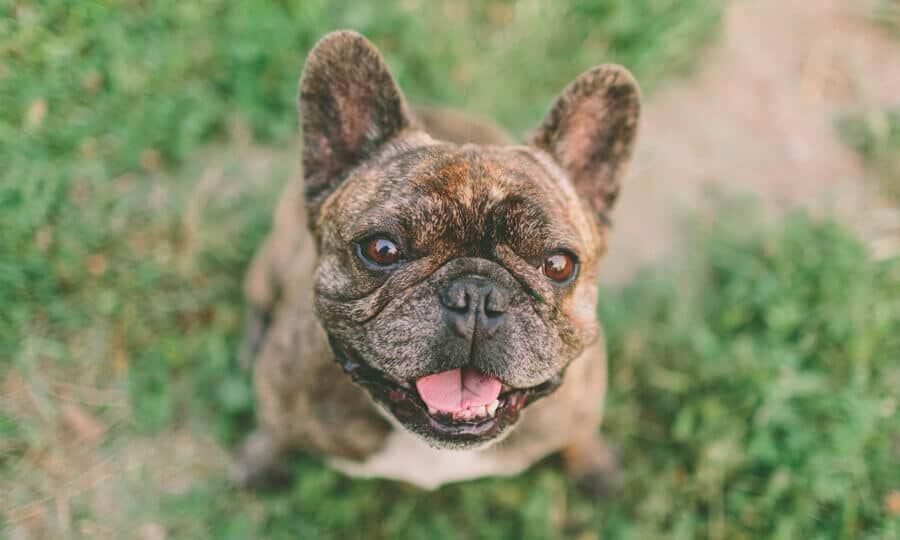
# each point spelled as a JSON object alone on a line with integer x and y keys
{"x": 430, "y": 289}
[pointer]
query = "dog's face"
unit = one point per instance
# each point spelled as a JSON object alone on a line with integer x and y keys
{"x": 456, "y": 283}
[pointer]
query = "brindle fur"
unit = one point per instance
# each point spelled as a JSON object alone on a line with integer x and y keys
{"x": 460, "y": 200}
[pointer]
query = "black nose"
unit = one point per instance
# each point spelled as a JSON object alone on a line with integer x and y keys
{"x": 474, "y": 306}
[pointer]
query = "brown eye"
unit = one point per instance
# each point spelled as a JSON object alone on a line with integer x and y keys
{"x": 380, "y": 251}
{"x": 559, "y": 267}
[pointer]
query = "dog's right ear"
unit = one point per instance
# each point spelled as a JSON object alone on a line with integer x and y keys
{"x": 349, "y": 106}
{"x": 590, "y": 131}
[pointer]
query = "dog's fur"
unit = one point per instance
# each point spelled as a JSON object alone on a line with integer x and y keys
{"x": 460, "y": 201}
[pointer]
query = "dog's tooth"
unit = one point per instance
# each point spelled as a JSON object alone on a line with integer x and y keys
{"x": 492, "y": 407}
{"x": 480, "y": 411}
{"x": 432, "y": 410}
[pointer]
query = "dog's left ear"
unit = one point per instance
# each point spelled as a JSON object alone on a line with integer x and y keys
{"x": 349, "y": 106}
{"x": 590, "y": 132}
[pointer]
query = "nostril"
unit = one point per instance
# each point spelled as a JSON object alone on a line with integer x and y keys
{"x": 494, "y": 305}
{"x": 462, "y": 304}
{"x": 495, "y": 302}
{"x": 456, "y": 298}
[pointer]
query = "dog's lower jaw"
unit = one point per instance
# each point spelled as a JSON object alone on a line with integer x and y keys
{"x": 402, "y": 405}
{"x": 398, "y": 426}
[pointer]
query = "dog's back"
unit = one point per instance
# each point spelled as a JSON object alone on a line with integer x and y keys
{"x": 458, "y": 127}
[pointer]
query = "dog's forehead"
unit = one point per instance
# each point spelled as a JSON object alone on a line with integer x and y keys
{"x": 453, "y": 194}
{"x": 473, "y": 178}
{"x": 478, "y": 175}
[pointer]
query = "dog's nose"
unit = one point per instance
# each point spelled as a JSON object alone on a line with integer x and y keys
{"x": 474, "y": 306}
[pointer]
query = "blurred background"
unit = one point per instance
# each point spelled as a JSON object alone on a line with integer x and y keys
{"x": 751, "y": 296}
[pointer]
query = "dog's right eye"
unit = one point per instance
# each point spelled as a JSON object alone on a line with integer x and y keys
{"x": 379, "y": 251}
{"x": 560, "y": 267}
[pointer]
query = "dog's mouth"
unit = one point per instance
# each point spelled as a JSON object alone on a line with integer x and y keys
{"x": 462, "y": 407}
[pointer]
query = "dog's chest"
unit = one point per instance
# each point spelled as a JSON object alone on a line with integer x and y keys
{"x": 406, "y": 458}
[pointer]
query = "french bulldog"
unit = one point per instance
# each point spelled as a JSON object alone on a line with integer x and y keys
{"x": 424, "y": 308}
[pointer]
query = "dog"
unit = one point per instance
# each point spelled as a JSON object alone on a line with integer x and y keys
{"x": 424, "y": 308}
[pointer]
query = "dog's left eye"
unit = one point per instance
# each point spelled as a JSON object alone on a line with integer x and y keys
{"x": 380, "y": 251}
{"x": 560, "y": 267}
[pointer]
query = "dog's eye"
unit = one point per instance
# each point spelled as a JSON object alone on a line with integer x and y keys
{"x": 560, "y": 267}
{"x": 380, "y": 251}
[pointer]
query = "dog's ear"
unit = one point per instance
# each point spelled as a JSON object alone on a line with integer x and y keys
{"x": 590, "y": 132}
{"x": 349, "y": 106}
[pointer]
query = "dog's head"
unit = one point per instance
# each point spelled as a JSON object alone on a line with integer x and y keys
{"x": 456, "y": 283}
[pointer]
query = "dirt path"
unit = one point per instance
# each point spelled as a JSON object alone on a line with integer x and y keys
{"x": 758, "y": 117}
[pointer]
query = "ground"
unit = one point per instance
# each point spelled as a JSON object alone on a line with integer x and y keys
{"x": 758, "y": 118}
{"x": 754, "y": 365}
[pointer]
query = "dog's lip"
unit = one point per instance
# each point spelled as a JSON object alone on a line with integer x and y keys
{"x": 404, "y": 401}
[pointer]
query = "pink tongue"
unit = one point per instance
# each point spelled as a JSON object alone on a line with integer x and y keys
{"x": 458, "y": 389}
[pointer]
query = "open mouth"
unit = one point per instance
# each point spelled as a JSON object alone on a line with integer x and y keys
{"x": 461, "y": 406}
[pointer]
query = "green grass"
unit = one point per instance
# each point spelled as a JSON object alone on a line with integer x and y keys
{"x": 142, "y": 145}
{"x": 875, "y": 136}
{"x": 887, "y": 14}
{"x": 875, "y": 133}
{"x": 754, "y": 392}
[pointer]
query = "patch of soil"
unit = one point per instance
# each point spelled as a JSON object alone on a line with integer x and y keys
{"x": 758, "y": 117}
